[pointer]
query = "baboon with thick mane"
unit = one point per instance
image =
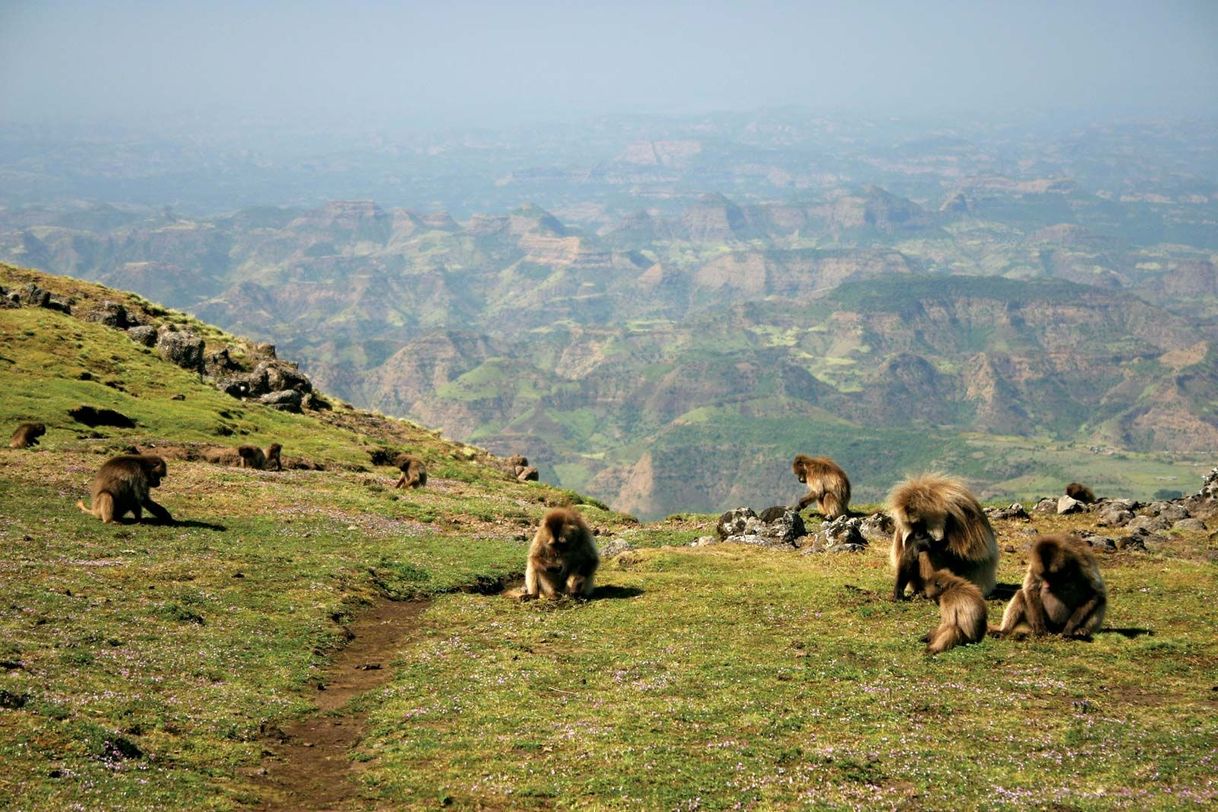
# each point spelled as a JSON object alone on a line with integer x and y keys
{"x": 827, "y": 484}
{"x": 26, "y": 435}
{"x": 1062, "y": 593}
{"x": 251, "y": 456}
{"x": 1079, "y": 491}
{"x": 273, "y": 461}
{"x": 123, "y": 484}
{"x": 562, "y": 557}
{"x": 941, "y": 511}
{"x": 414, "y": 475}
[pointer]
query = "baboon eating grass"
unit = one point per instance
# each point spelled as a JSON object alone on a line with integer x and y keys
{"x": 123, "y": 484}
{"x": 827, "y": 484}
{"x": 962, "y": 610}
{"x": 26, "y": 435}
{"x": 1062, "y": 593}
{"x": 414, "y": 475}
{"x": 940, "y": 512}
{"x": 562, "y": 557}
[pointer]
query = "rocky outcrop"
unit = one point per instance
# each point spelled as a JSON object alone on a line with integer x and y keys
{"x": 184, "y": 348}
{"x": 777, "y": 526}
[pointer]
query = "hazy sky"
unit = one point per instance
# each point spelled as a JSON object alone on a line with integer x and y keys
{"x": 469, "y": 61}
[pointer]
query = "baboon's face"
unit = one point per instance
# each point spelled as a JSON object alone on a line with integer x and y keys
{"x": 155, "y": 470}
{"x": 925, "y": 528}
{"x": 801, "y": 473}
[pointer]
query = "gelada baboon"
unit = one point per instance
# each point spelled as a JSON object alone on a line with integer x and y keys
{"x": 827, "y": 485}
{"x": 251, "y": 456}
{"x": 1062, "y": 593}
{"x": 27, "y": 435}
{"x": 941, "y": 512}
{"x": 414, "y": 475}
{"x": 962, "y": 610}
{"x": 1079, "y": 491}
{"x": 273, "y": 462}
{"x": 562, "y": 557}
{"x": 123, "y": 485}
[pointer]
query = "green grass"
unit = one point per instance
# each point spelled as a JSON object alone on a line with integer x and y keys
{"x": 731, "y": 677}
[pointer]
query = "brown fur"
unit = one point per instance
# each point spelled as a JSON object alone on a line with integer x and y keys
{"x": 414, "y": 475}
{"x": 1062, "y": 593}
{"x": 251, "y": 456}
{"x": 562, "y": 557}
{"x": 1079, "y": 491}
{"x": 962, "y": 610}
{"x": 27, "y": 435}
{"x": 941, "y": 511}
{"x": 827, "y": 484}
{"x": 123, "y": 485}
{"x": 273, "y": 461}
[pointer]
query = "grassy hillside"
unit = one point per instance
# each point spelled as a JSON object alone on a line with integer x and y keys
{"x": 208, "y": 664}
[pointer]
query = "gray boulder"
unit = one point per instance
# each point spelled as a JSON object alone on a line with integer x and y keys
{"x": 1113, "y": 515}
{"x": 780, "y": 527}
{"x": 287, "y": 400}
{"x": 1068, "y": 504}
{"x": 183, "y": 348}
{"x": 1148, "y": 524}
{"x": 843, "y": 534}
{"x": 143, "y": 334}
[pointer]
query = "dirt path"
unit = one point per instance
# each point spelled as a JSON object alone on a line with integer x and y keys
{"x": 309, "y": 766}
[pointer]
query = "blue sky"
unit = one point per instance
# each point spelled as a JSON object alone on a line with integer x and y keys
{"x": 481, "y": 61}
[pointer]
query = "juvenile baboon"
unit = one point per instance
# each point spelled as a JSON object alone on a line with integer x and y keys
{"x": 251, "y": 456}
{"x": 1062, "y": 593}
{"x": 962, "y": 611}
{"x": 414, "y": 475}
{"x": 27, "y": 435}
{"x": 562, "y": 557}
{"x": 827, "y": 484}
{"x": 123, "y": 485}
{"x": 273, "y": 462}
{"x": 915, "y": 560}
{"x": 1079, "y": 491}
{"x": 940, "y": 511}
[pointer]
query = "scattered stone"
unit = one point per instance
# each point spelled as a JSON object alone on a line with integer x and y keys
{"x": 185, "y": 349}
{"x": 111, "y": 314}
{"x": 1148, "y": 524}
{"x": 287, "y": 400}
{"x": 704, "y": 541}
{"x": 1167, "y": 510}
{"x": 1209, "y": 485}
{"x": 178, "y": 396}
{"x": 843, "y": 534}
{"x": 1189, "y": 524}
{"x": 1068, "y": 504}
{"x": 120, "y": 749}
{"x": 92, "y": 416}
{"x": 1046, "y": 505}
{"x": 1015, "y": 512}
{"x": 1101, "y": 543}
{"x": 528, "y": 474}
{"x": 615, "y": 547}
{"x": 220, "y": 364}
{"x": 878, "y": 526}
{"x": 744, "y": 526}
{"x": 13, "y": 701}
{"x": 144, "y": 334}
{"x": 1136, "y": 543}
{"x": 1113, "y": 515}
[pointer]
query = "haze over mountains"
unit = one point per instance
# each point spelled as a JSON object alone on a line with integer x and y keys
{"x": 662, "y": 315}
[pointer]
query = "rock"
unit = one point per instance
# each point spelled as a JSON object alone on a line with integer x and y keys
{"x": 1068, "y": 504}
{"x": 142, "y": 334}
{"x": 1147, "y": 524}
{"x": 615, "y": 547}
{"x": 1189, "y": 524}
{"x": 92, "y": 416}
{"x": 734, "y": 522}
{"x": 1120, "y": 504}
{"x": 1135, "y": 543}
{"x": 315, "y": 402}
{"x": 1015, "y": 512}
{"x": 185, "y": 349}
{"x": 843, "y": 534}
{"x": 111, "y": 314}
{"x": 528, "y": 474}
{"x": 704, "y": 541}
{"x": 1045, "y": 505}
{"x": 878, "y": 526}
{"x": 744, "y": 526}
{"x": 1209, "y": 485}
{"x": 287, "y": 400}
{"x": 772, "y": 514}
{"x": 281, "y": 375}
{"x": 33, "y": 296}
{"x": 1167, "y": 510}
{"x": 1113, "y": 516}
{"x": 1102, "y": 543}
{"x": 265, "y": 350}
{"x": 220, "y": 364}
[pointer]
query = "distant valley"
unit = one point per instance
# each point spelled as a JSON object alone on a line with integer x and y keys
{"x": 1023, "y": 329}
